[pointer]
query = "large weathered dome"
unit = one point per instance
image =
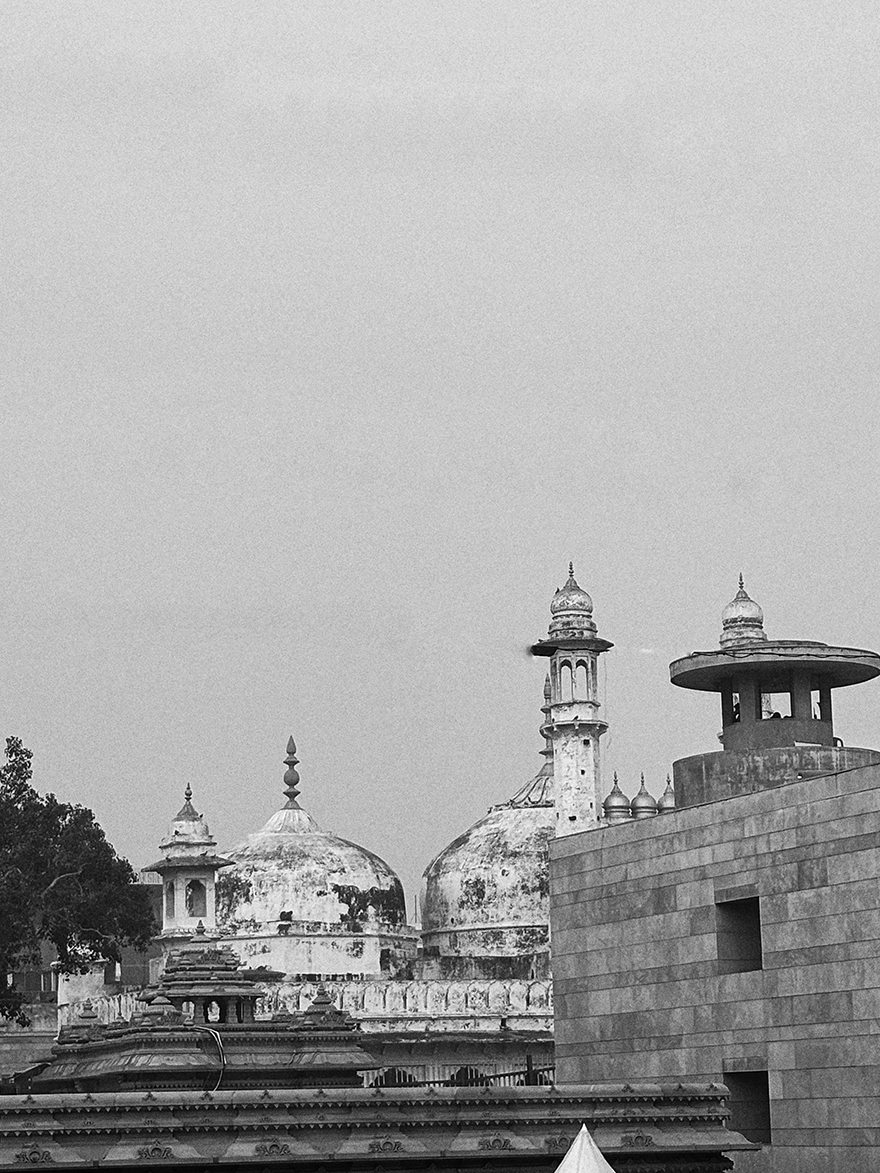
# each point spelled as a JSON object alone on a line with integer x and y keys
{"x": 290, "y": 872}
{"x": 308, "y": 901}
{"x": 485, "y": 902}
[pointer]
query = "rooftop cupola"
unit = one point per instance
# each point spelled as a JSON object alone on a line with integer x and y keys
{"x": 644, "y": 805}
{"x": 188, "y": 868}
{"x": 666, "y": 801}
{"x": 742, "y": 620}
{"x": 574, "y": 725}
{"x": 616, "y": 805}
{"x": 571, "y": 610}
{"x": 776, "y": 712}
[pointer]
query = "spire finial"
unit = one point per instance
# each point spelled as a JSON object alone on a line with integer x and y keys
{"x": 291, "y": 777}
{"x": 741, "y": 584}
{"x": 571, "y": 570}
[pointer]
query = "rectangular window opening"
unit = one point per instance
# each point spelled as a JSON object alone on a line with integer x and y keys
{"x": 820, "y": 702}
{"x": 730, "y": 710}
{"x": 738, "y": 935}
{"x": 775, "y": 705}
{"x": 749, "y": 1104}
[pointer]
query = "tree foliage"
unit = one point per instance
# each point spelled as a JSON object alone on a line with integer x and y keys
{"x": 61, "y": 882}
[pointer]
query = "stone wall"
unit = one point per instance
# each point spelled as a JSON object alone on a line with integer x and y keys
{"x": 640, "y": 951}
{"x": 22, "y": 1046}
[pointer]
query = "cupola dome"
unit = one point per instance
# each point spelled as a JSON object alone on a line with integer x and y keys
{"x": 742, "y": 620}
{"x": 616, "y": 805}
{"x": 644, "y": 805}
{"x": 666, "y": 801}
{"x": 571, "y": 610}
{"x": 189, "y": 830}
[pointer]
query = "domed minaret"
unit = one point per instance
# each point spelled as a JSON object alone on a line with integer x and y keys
{"x": 574, "y": 725}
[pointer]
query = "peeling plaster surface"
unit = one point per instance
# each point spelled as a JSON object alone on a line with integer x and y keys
{"x": 487, "y": 893}
{"x": 304, "y": 901}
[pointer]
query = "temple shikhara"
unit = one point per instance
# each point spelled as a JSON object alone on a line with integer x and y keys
{"x": 293, "y": 1010}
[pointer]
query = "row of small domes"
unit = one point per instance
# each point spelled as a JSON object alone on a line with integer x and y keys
{"x": 643, "y": 805}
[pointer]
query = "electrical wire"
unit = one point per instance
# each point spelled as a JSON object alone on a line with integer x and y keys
{"x": 216, "y": 1037}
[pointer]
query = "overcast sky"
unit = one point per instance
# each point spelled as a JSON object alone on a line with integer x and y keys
{"x": 332, "y": 331}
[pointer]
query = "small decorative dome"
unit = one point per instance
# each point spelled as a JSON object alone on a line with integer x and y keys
{"x": 189, "y": 832}
{"x": 571, "y": 610}
{"x": 742, "y": 620}
{"x": 666, "y": 801}
{"x": 644, "y": 805}
{"x": 616, "y": 805}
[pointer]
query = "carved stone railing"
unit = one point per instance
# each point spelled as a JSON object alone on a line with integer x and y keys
{"x": 422, "y": 999}
{"x": 390, "y": 1005}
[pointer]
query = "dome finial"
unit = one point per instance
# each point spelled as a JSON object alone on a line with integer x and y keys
{"x": 291, "y": 777}
{"x": 188, "y": 793}
{"x": 571, "y": 570}
{"x": 741, "y": 583}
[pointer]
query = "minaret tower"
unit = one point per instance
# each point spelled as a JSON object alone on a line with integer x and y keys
{"x": 574, "y": 725}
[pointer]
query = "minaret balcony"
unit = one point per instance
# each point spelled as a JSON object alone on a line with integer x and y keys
{"x": 577, "y": 712}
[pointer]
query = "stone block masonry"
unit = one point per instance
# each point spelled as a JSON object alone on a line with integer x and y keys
{"x": 736, "y": 938}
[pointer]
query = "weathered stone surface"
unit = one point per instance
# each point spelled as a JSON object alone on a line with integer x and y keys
{"x": 485, "y": 902}
{"x": 664, "y": 1128}
{"x": 410, "y": 1006}
{"x": 304, "y": 901}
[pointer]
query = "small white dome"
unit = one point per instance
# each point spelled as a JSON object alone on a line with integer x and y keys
{"x": 742, "y": 620}
{"x": 571, "y": 610}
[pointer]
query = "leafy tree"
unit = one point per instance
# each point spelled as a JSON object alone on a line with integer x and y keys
{"x": 61, "y": 882}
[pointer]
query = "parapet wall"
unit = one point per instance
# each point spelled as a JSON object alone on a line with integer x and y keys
{"x": 411, "y": 1006}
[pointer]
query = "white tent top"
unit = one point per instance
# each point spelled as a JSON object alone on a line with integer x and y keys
{"x": 584, "y": 1156}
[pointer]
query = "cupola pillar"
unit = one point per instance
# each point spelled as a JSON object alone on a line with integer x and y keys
{"x": 574, "y": 724}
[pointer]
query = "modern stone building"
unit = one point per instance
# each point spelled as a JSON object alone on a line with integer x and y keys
{"x": 738, "y": 936}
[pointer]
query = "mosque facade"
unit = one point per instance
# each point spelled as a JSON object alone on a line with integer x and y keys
{"x": 466, "y": 996}
{"x": 729, "y": 929}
